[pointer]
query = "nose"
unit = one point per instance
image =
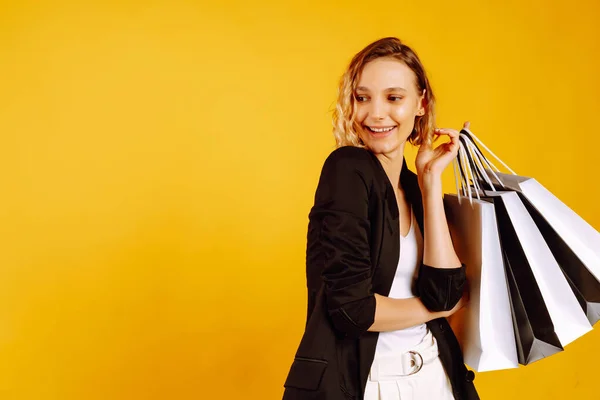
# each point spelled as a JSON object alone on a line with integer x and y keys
{"x": 377, "y": 110}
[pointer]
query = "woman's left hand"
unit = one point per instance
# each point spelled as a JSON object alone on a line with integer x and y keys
{"x": 431, "y": 162}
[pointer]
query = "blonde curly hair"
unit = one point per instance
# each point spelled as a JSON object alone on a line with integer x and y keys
{"x": 345, "y": 128}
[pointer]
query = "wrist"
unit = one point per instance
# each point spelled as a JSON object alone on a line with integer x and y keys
{"x": 431, "y": 315}
{"x": 438, "y": 314}
{"x": 431, "y": 187}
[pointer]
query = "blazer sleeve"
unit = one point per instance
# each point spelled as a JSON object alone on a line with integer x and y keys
{"x": 341, "y": 212}
{"x": 440, "y": 289}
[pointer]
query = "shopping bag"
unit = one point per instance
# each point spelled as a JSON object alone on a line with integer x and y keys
{"x": 580, "y": 236}
{"x": 531, "y": 261}
{"x": 484, "y": 327}
{"x": 534, "y": 331}
{"x": 584, "y": 284}
{"x": 574, "y": 243}
{"x": 553, "y": 300}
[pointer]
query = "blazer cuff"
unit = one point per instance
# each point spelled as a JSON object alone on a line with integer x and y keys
{"x": 354, "y": 319}
{"x": 440, "y": 289}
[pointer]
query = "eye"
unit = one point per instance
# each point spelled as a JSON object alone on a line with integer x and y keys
{"x": 395, "y": 98}
{"x": 360, "y": 98}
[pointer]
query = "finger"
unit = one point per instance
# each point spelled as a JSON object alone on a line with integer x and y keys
{"x": 466, "y": 125}
{"x": 447, "y": 131}
{"x": 446, "y": 157}
{"x": 451, "y": 133}
{"x": 455, "y": 140}
{"x": 450, "y": 150}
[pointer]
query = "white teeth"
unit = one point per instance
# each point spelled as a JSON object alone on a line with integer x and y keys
{"x": 379, "y": 130}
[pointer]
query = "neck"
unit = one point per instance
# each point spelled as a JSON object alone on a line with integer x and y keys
{"x": 392, "y": 165}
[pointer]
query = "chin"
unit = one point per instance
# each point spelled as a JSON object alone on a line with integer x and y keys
{"x": 384, "y": 146}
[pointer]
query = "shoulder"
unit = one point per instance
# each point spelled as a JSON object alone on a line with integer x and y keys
{"x": 348, "y": 171}
{"x": 350, "y": 159}
{"x": 350, "y": 152}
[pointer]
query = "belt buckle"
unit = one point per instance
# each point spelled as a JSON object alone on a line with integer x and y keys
{"x": 416, "y": 360}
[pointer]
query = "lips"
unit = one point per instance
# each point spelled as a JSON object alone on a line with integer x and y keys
{"x": 380, "y": 131}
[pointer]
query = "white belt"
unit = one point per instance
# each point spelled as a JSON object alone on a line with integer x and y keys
{"x": 392, "y": 366}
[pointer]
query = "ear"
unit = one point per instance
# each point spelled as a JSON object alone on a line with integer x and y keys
{"x": 422, "y": 104}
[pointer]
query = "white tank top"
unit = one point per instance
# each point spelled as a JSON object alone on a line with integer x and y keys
{"x": 411, "y": 255}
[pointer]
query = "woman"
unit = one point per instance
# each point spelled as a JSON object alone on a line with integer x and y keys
{"x": 382, "y": 273}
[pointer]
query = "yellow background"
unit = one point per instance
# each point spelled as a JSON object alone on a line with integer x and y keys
{"x": 158, "y": 160}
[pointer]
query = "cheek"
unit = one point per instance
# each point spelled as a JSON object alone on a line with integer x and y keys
{"x": 403, "y": 112}
{"x": 360, "y": 114}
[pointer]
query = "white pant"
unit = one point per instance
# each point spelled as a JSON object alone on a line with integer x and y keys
{"x": 390, "y": 380}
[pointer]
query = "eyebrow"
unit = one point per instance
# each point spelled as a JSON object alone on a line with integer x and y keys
{"x": 392, "y": 89}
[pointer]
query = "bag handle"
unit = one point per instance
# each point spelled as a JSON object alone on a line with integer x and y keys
{"x": 472, "y": 168}
{"x": 471, "y": 136}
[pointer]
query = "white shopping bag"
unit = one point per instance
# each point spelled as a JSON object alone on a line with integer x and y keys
{"x": 570, "y": 322}
{"x": 580, "y": 236}
{"x": 484, "y": 327}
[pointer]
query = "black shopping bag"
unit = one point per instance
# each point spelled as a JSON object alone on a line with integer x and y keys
{"x": 534, "y": 330}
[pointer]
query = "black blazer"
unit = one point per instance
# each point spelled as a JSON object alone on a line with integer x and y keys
{"x": 352, "y": 253}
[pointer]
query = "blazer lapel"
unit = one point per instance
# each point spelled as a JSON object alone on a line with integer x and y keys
{"x": 410, "y": 185}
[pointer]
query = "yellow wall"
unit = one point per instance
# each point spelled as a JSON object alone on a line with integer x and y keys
{"x": 158, "y": 161}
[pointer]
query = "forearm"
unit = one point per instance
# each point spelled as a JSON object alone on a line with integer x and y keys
{"x": 438, "y": 251}
{"x": 395, "y": 314}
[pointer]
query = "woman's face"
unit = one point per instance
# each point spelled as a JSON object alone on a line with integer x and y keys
{"x": 387, "y": 102}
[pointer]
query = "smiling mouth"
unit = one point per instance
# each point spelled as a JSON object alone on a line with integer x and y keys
{"x": 379, "y": 129}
